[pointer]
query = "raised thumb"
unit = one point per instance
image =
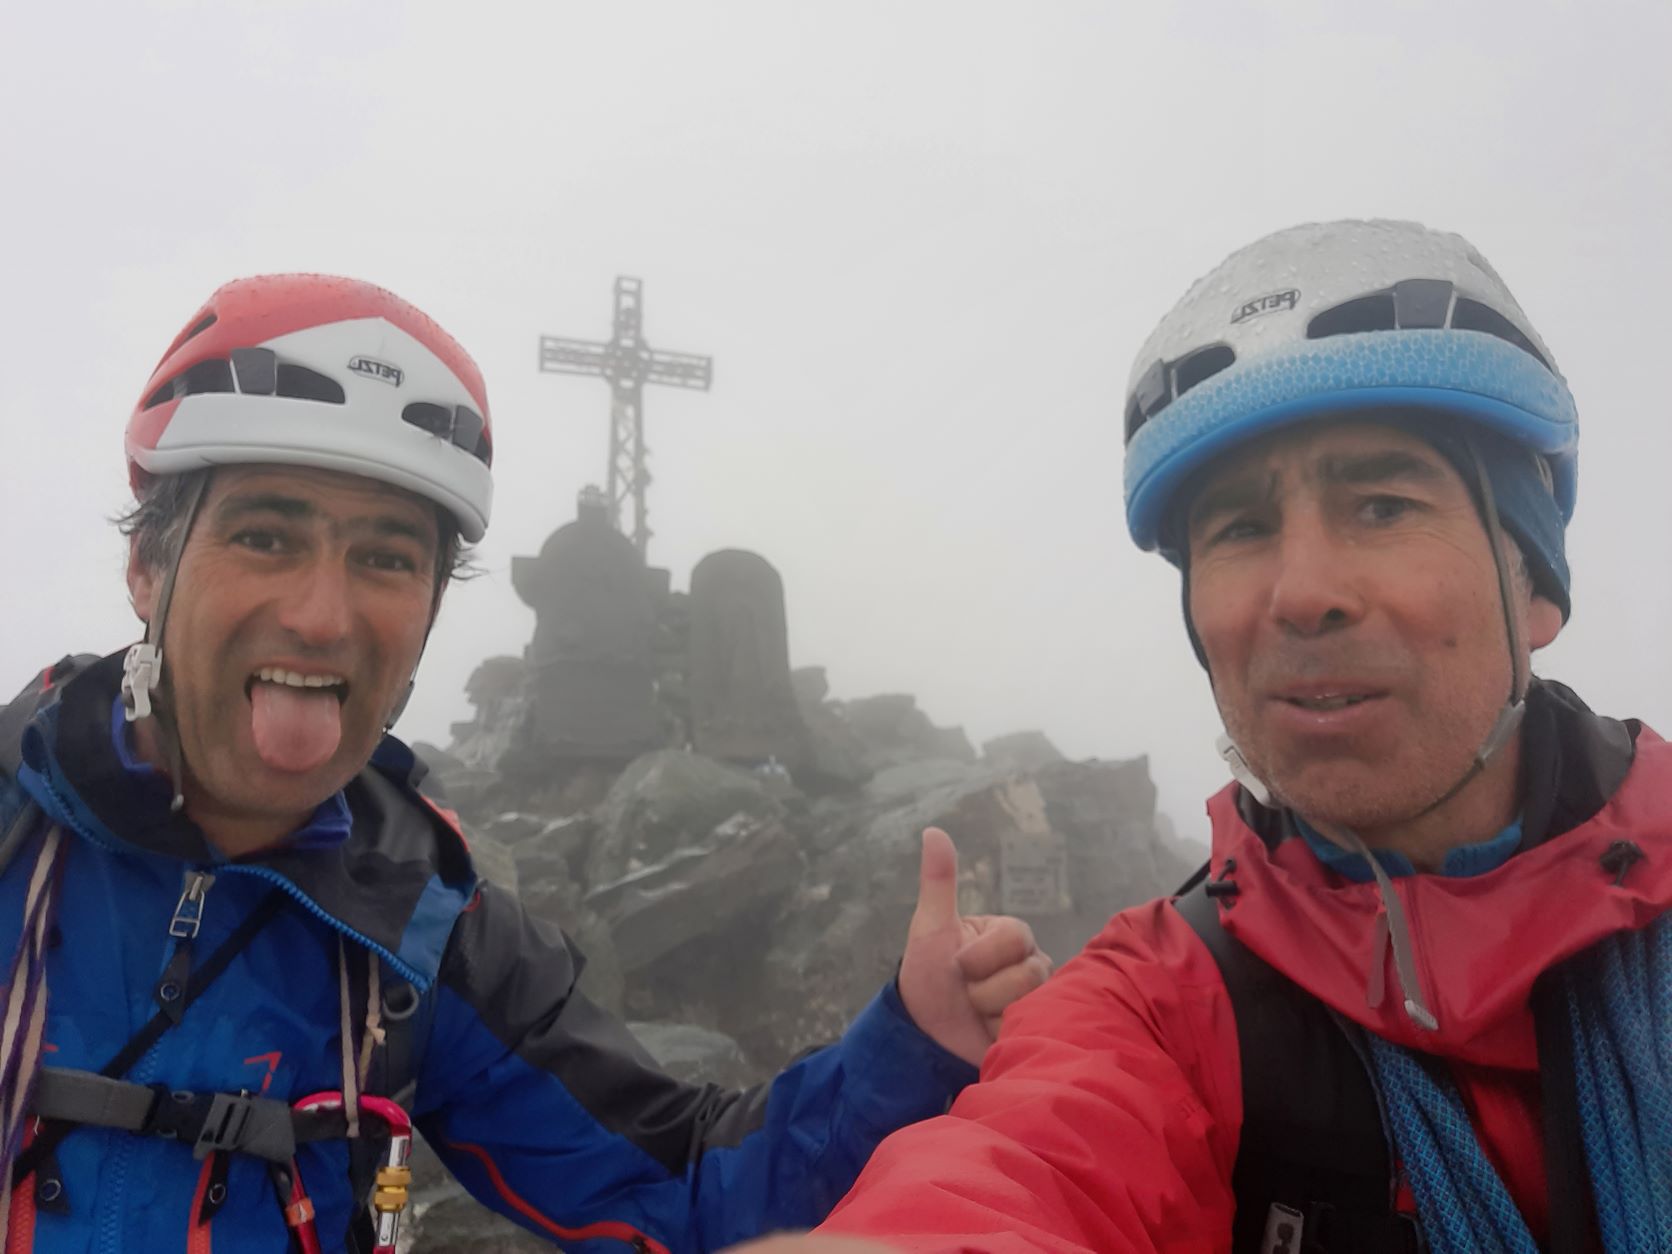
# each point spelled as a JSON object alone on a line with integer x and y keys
{"x": 937, "y": 884}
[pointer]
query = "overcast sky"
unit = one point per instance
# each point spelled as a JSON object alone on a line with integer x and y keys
{"x": 921, "y": 240}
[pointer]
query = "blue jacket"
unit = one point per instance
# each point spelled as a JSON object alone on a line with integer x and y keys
{"x": 542, "y": 1105}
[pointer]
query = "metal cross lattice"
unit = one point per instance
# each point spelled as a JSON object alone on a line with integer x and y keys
{"x": 628, "y": 363}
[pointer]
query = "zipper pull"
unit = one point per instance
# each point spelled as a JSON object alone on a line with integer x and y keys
{"x": 188, "y": 911}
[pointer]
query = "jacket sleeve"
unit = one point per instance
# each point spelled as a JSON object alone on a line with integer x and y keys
{"x": 1106, "y": 1119}
{"x": 550, "y": 1112}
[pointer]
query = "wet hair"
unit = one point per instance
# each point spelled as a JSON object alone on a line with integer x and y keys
{"x": 158, "y": 518}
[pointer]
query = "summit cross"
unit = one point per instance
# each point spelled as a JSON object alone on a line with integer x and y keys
{"x": 628, "y": 363}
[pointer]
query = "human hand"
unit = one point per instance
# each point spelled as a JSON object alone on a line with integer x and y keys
{"x": 959, "y": 974}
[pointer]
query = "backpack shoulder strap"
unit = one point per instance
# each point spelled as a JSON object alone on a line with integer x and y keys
{"x": 407, "y": 1014}
{"x": 38, "y": 693}
{"x": 17, "y": 814}
{"x": 1313, "y": 1169}
{"x": 1573, "y": 1220}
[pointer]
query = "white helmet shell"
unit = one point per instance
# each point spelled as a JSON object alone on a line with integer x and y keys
{"x": 1330, "y": 318}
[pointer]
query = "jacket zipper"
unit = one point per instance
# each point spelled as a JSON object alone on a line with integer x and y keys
{"x": 184, "y": 923}
{"x": 404, "y": 970}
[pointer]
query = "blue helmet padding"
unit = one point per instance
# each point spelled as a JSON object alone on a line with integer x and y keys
{"x": 1470, "y": 374}
{"x": 1531, "y": 517}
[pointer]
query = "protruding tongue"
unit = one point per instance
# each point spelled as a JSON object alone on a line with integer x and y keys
{"x": 296, "y": 729}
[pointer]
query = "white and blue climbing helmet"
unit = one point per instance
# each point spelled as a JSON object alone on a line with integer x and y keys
{"x": 1335, "y": 318}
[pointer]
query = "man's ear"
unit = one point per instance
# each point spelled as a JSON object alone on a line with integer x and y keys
{"x": 1544, "y": 622}
{"x": 144, "y": 583}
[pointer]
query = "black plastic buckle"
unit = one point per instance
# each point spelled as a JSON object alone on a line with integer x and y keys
{"x": 1619, "y": 858}
{"x": 175, "y": 1115}
{"x": 207, "y": 1121}
{"x": 224, "y": 1124}
{"x": 1223, "y": 889}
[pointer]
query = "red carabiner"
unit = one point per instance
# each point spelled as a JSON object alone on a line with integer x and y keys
{"x": 394, "y": 1177}
{"x": 299, "y": 1213}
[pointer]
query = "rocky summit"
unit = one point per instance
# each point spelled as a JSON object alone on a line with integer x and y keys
{"x": 736, "y": 915}
{"x": 735, "y": 851}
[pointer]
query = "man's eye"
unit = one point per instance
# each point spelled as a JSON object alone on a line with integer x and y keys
{"x": 385, "y": 560}
{"x": 260, "y": 541}
{"x": 1236, "y": 529}
{"x": 1385, "y": 509}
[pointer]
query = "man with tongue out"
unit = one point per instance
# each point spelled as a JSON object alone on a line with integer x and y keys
{"x": 222, "y": 894}
{"x": 1421, "y": 996}
{"x": 302, "y": 598}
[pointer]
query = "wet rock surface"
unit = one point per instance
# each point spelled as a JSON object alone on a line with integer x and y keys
{"x": 737, "y": 916}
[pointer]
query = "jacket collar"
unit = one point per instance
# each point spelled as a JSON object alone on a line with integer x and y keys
{"x": 396, "y": 884}
{"x": 1593, "y": 785}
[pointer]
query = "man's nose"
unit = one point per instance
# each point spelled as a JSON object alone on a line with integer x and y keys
{"x": 1316, "y": 587}
{"x": 315, "y": 608}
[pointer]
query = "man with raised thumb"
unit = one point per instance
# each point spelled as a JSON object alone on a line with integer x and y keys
{"x": 248, "y": 958}
{"x": 1421, "y": 996}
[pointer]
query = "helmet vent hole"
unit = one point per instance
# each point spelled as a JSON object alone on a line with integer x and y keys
{"x": 459, "y": 425}
{"x": 300, "y": 383}
{"x": 469, "y": 433}
{"x": 1424, "y": 301}
{"x": 215, "y": 375}
{"x": 1471, "y": 315}
{"x": 199, "y": 327}
{"x": 428, "y": 416}
{"x": 1201, "y": 365}
{"x": 1134, "y": 419}
{"x": 255, "y": 370}
{"x": 1368, "y": 313}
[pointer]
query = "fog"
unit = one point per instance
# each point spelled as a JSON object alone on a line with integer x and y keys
{"x": 922, "y": 242}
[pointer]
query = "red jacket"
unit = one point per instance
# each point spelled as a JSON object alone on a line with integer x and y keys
{"x": 1108, "y": 1114}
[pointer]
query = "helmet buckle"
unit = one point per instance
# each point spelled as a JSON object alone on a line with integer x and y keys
{"x": 141, "y": 673}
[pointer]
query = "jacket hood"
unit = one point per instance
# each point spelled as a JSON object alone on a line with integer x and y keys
{"x": 1480, "y": 941}
{"x": 396, "y": 884}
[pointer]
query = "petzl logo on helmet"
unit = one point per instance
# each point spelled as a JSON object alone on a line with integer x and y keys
{"x": 1265, "y": 304}
{"x": 372, "y": 368}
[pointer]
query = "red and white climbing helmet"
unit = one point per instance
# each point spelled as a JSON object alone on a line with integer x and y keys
{"x": 333, "y": 373}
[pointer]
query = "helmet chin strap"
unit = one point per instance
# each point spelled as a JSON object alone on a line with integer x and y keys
{"x": 1242, "y": 772}
{"x": 1514, "y": 708}
{"x": 142, "y": 668}
{"x": 412, "y": 682}
{"x": 400, "y": 705}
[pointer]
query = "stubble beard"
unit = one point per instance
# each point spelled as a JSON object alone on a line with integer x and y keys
{"x": 1365, "y": 796}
